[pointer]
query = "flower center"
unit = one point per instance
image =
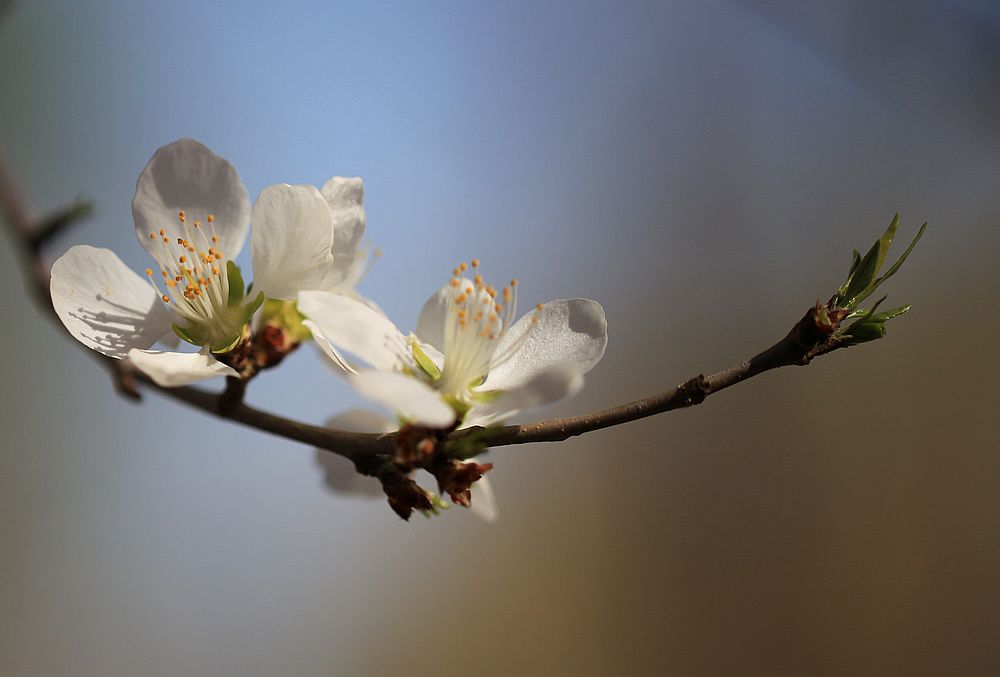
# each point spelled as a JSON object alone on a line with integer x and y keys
{"x": 477, "y": 316}
{"x": 195, "y": 278}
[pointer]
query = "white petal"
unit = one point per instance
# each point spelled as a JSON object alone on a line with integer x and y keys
{"x": 411, "y": 399}
{"x": 187, "y": 176}
{"x": 352, "y": 326}
{"x": 105, "y": 305}
{"x": 430, "y": 324}
{"x": 551, "y": 384}
{"x": 291, "y": 240}
{"x": 569, "y": 331}
{"x": 339, "y": 473}
{"x": 484, "y": 503}
{"x": 178, "y": 369}
{"x": 335, "y": 360}
{"x": 345, "y": 196}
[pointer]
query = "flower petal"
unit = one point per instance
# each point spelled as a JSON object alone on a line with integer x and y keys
{"x": 186, "y": 176}
{"x": 409, "y": 398}
{"x": 430, "y": 324}
{"x": 178, "y": 369}
{"x": 551, "y": 384}
{"x": 339, "y": 473}
{"x": 291, "y": 240}
{"x": 353, "y": 326}
{"x": 336, "y": 361}
{"x": 484, "y": 502}
{"x": 105, "y": 305}
{"x": 569, "y": 331}
{"x": 346, "y": 199}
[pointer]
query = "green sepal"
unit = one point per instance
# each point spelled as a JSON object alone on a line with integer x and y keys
{"x": 423, "y": 360}
{"x": 227, "y": 344}
{"x": 486, "y": 396}
{"x": 235, "y": 279}
{"x": 461, "y": 407}
{"x": 286, "y": 315}
{"x": 247, "y": 311}
{"x": 190, "y": 334}
{"x": 437, "y": 505}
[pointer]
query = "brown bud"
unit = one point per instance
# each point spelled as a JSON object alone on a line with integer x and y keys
{"x": 456, "y": 478}
{"x": 405, "y": 495}
{"x": 416, "y": 445}
{"x": 272, "y": 343}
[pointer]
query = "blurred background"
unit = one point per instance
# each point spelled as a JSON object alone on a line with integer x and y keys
{"x": 704, "y": 170}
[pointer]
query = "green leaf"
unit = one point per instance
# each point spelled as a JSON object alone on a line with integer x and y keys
{"x": 235, "y": 279}
{"x": 890, "y": 314}
{"x": 857, "y": 293}
{"x": 899, "y": 262}
{"x": 192, "y": 335}
{"x": 885, "y": 242}
{"x": 862, "y": 332}
{"x": 855, "y": 262}
{"x": 423, "y": 360}
{"x": 863, "y": 275}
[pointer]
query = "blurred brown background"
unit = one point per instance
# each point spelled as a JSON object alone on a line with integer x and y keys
{"x": 702, "y": 169}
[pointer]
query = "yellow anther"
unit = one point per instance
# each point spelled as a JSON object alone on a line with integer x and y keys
{"x": 460, "y": 299}
{"x": 455, "y": 271}
{"x": 478, "y": 278}
{"x": 149, "y": 271}
{"x": 463, "y": 267}
{"x": 513, "y": 283}
{"x": 171, "y": 284}
{"x": 215, "y": 239}
{"x": 166, "y": 240}
{"x": 180, "y": 215}
{"x": 162, "y": 232}
{"x": 152, "y": 236}
{"x": 183, "y": 259}
{"x": 197, "y": 223}
{"x": 498, "y": 308}
{"x": 454, "y": 282}
{"x": 506, "y": 293}
{"x": 215, "y": 270}
{"x": 469, "y": 290}
{"x": 475, "y": 263}
{"x": 165, "y": 298}
{"x": 211, "y": 218}
{"x": 165, "y": 274}
{"x": 538, "y": 307}
{"x": 180, "y": 241}
{"x": 534, "y": 319}
{"x": 178, "y": 278}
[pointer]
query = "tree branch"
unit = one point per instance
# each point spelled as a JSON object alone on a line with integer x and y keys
{"x": 813, "y": 335}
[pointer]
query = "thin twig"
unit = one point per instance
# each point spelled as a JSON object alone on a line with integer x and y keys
{"x": 371, "y": 451}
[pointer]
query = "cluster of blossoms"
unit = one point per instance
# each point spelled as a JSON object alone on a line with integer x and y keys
{"x": 467, "y": 363}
